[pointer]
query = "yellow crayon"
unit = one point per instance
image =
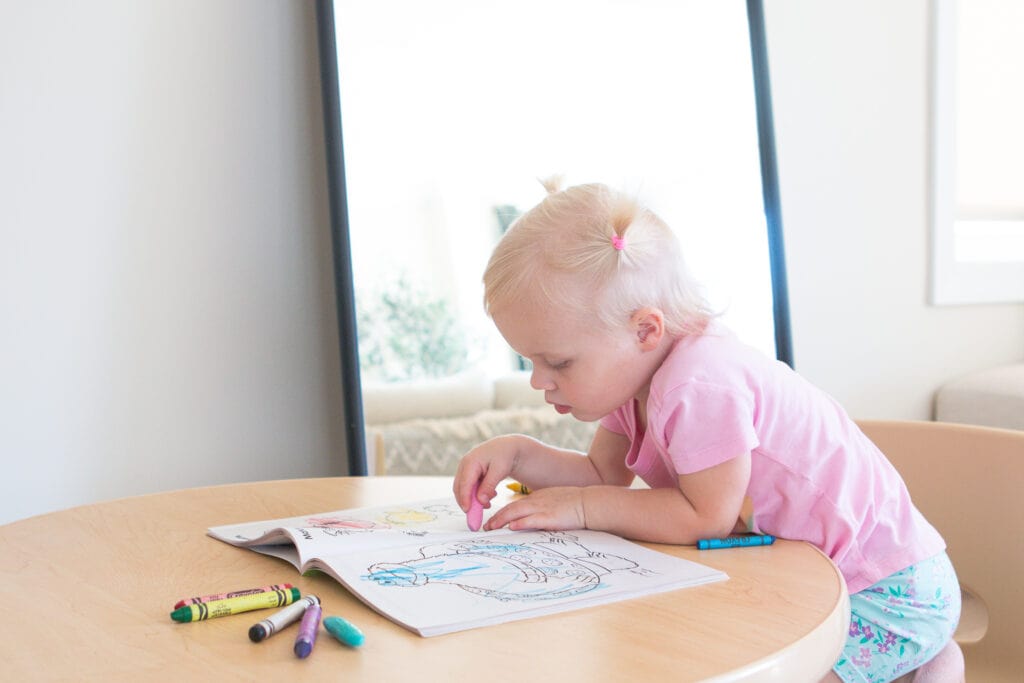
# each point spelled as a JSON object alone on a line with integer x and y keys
{"x": 517, "y": 487}
{"x": 229, "y": 606}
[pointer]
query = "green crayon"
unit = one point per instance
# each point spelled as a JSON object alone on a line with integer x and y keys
{"x": 229, "y": 606}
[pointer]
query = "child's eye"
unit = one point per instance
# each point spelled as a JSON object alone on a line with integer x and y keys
{"x": 560, "y": 365}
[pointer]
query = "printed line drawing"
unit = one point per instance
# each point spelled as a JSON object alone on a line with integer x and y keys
{"x": 555, "y": 566}
{"x": 408, "y": 520}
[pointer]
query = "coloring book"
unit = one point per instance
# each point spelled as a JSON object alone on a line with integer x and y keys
{"x": 419, "y": 565}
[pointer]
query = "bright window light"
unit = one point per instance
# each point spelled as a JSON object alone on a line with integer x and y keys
{"x": 452, "y": 110}
{"x": 978, "y": 178}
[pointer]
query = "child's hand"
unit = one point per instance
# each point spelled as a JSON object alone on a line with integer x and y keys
{"x": 487, "y": 464}
{"x": 559, "y": 508}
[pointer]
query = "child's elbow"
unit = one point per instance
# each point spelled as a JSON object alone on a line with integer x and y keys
{"x": 721, "y": 525}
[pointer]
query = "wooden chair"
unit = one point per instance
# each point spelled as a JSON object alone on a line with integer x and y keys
{"x": 968, "y": 482}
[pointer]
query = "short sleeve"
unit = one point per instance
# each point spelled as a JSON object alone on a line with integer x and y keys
{"x": 701, "y": 425}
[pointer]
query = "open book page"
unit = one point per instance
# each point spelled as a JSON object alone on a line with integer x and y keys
{"x": 345, "y": 531}
{"x": 419, "y": 565}
{"x": 441, "y": 587}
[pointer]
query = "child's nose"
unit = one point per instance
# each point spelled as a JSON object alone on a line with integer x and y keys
{"x": 540, "y": 380}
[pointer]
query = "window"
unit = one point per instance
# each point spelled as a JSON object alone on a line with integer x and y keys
{"x": 452, "y": 109}
{"x": 978, "y": 176}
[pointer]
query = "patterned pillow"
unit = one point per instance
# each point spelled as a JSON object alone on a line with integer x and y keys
{"x": 435, "y": 446}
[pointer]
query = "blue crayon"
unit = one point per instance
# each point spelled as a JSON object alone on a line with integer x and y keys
{"x": 344, "y": 631}
{"x": 734, "y": 542}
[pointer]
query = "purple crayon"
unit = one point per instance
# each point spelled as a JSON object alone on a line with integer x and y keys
{"x": 308, "y": 628}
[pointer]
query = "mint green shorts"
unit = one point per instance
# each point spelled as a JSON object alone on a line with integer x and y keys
{"x": 901, "y": 622}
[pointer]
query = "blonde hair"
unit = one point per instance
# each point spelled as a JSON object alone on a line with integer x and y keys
{"x": 597, "y": 253}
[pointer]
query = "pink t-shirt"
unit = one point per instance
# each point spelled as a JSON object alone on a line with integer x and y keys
{"x": 814, "y": 475}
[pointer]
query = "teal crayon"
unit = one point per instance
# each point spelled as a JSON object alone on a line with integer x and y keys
{"x": 229, "y": 606}
{"x": 735, "y": 542}
{"x": 344, "y": 631}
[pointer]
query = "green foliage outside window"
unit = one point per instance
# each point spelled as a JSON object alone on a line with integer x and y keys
{"x": 406, "y": 333}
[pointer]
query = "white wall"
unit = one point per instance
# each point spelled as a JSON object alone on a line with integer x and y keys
{"x": 851, "y": 93}
{"x": 166, "y": 296}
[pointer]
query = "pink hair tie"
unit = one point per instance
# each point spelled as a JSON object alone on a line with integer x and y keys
{"x": 618, "y": 242}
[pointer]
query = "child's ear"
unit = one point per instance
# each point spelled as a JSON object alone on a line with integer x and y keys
{"x": 649, "y": 324}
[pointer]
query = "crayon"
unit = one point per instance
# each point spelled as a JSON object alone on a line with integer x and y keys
{"x": 735, "y": 541}
{"x": 282, "y": 618}
{"x": 229, "y": 606}
{"x": 344, "y": 631}
{"x": 475, "y": 513}
{"x": 517, "y": 487}
{"x": 306, "y": 639}
{"x": 232, "y": 594}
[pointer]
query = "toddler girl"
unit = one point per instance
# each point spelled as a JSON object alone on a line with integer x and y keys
{"x": 591, "y": 288}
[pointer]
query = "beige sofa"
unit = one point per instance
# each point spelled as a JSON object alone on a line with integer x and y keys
{"x": 425, "y": 427}
{"x": 992, "y": 398}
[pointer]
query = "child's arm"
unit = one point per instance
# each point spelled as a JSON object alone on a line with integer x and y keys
{"x": 537, "y": 465}
{"x": 605, "y": 463}
{"x": 706, "y": 505}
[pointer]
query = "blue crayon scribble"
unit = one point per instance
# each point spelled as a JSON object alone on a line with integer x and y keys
{"x": 554, "y": 566}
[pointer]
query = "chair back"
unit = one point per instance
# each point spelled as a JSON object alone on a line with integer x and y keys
{"x": 968, "y": 482}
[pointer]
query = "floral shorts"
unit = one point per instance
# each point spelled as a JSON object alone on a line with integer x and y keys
{"x": 901, "y": 622}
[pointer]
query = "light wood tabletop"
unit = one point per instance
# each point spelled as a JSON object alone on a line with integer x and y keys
{"x": 87, "y": 594}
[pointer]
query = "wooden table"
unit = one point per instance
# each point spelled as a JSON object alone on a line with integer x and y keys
{"x": 87, "y": 593}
